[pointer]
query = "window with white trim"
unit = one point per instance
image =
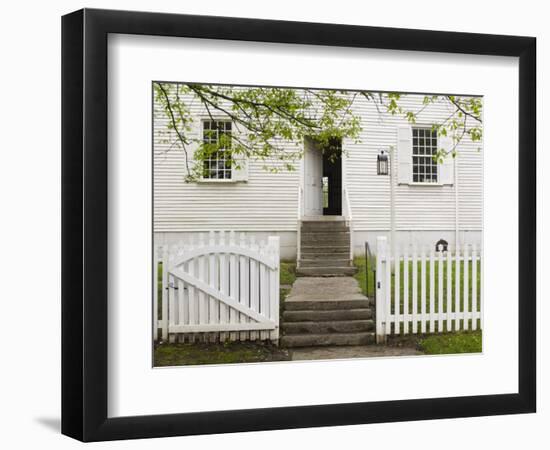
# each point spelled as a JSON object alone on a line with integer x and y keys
{"x": 424, "y": 149}
{"x": 218, "y": 164}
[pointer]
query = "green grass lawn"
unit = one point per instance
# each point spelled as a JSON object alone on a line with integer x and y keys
{"x": 217, "y": 353}
{"x": 287, "y": 272}
{"x": 287, "y": 276}
{"x": 440, "y": 344}
{"x": 159, "y": 290}
{"x": 361, "y": 276}
{"x": 460, "y": 342}
{"x": 443, "y": 343}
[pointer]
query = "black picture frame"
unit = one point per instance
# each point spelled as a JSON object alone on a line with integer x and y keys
{"x": 84, "y": 224}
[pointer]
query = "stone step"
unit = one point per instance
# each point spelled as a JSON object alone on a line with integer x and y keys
{"x": 352, "y": 299}
{"x": 328, "y": 262}
{"x": 327, "y": 315}
{"x": 327, "y": 256}
{"x": 340, "y": 326}
{"x": 310, "y": 340}
{"x": 329, "y": 238}
{"x": 309, "y": 219}
{"x": 353, "y": 302}
{"x": 324, "y": 226}
{"x": 325, "y": 248}
{"x": 326, "y": 271}
{"x": 325, "y": 234}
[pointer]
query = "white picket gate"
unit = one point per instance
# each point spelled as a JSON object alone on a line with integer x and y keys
{"x": 218, "y": 289}
{"x": 427, "y": 291}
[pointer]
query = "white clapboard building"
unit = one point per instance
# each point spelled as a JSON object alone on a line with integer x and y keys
{"x": 329, "y": 206}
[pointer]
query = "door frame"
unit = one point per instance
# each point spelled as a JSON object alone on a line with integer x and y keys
{"x": 335, "y": 186}
{"x": 303, "y": 185}
{"x": 302, "y": 181}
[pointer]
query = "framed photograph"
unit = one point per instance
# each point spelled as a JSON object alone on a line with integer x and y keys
{"x": 273, "y": 225}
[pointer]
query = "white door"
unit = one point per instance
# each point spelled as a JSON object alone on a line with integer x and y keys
{"x": 313, "y": 179}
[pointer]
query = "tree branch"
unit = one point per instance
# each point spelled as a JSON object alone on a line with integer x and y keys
{"x": 182, "y": 138}
{"x": 277, "y": 110}
{"x": 459, "y": 107}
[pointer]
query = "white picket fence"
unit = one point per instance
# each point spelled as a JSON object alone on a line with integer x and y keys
{"x": 427, "y": 291}
{"x": 217, "y": 289}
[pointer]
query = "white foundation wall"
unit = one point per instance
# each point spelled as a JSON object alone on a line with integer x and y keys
{"x": 288, "y": 241}
{"x": 403, "y": 238}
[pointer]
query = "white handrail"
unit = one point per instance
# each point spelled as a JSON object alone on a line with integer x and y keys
{"x": 349, "y": 220}
{"x": 299, "y": 229}
{"x": 347, "y": 209}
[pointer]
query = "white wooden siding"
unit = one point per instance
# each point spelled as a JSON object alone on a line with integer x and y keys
{"x": 268, "y": 201}
{"x": 417, "y": 207}
{"x": 265, "y": 202}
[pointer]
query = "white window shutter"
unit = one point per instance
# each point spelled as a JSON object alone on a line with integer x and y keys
{"x": 447, "y": 167}
{"x": 240, "y": 173}
{"x": 404, "y": 155}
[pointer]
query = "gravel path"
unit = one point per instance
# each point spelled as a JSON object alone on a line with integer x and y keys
{"x": 366, "y": 351}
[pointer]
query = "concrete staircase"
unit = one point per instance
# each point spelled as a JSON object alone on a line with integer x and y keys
{"x": 325, "y": 248}
{"x": 322, "y": 311}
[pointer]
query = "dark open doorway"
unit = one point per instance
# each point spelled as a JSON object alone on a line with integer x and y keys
{"x": 332, "y": 178}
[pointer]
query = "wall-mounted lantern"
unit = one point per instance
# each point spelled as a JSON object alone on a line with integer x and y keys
{"x": 441, "y": 245}
{"x": 383, "y": 164}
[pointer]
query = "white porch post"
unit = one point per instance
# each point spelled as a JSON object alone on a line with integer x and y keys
{"x": 380, "y": 286}
{"x": 392, "y": 201}
{"x": 457, "y": 216}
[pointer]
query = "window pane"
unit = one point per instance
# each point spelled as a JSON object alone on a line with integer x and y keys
{"x": 424, "y": 148}
{"x": 218, "y": 164}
